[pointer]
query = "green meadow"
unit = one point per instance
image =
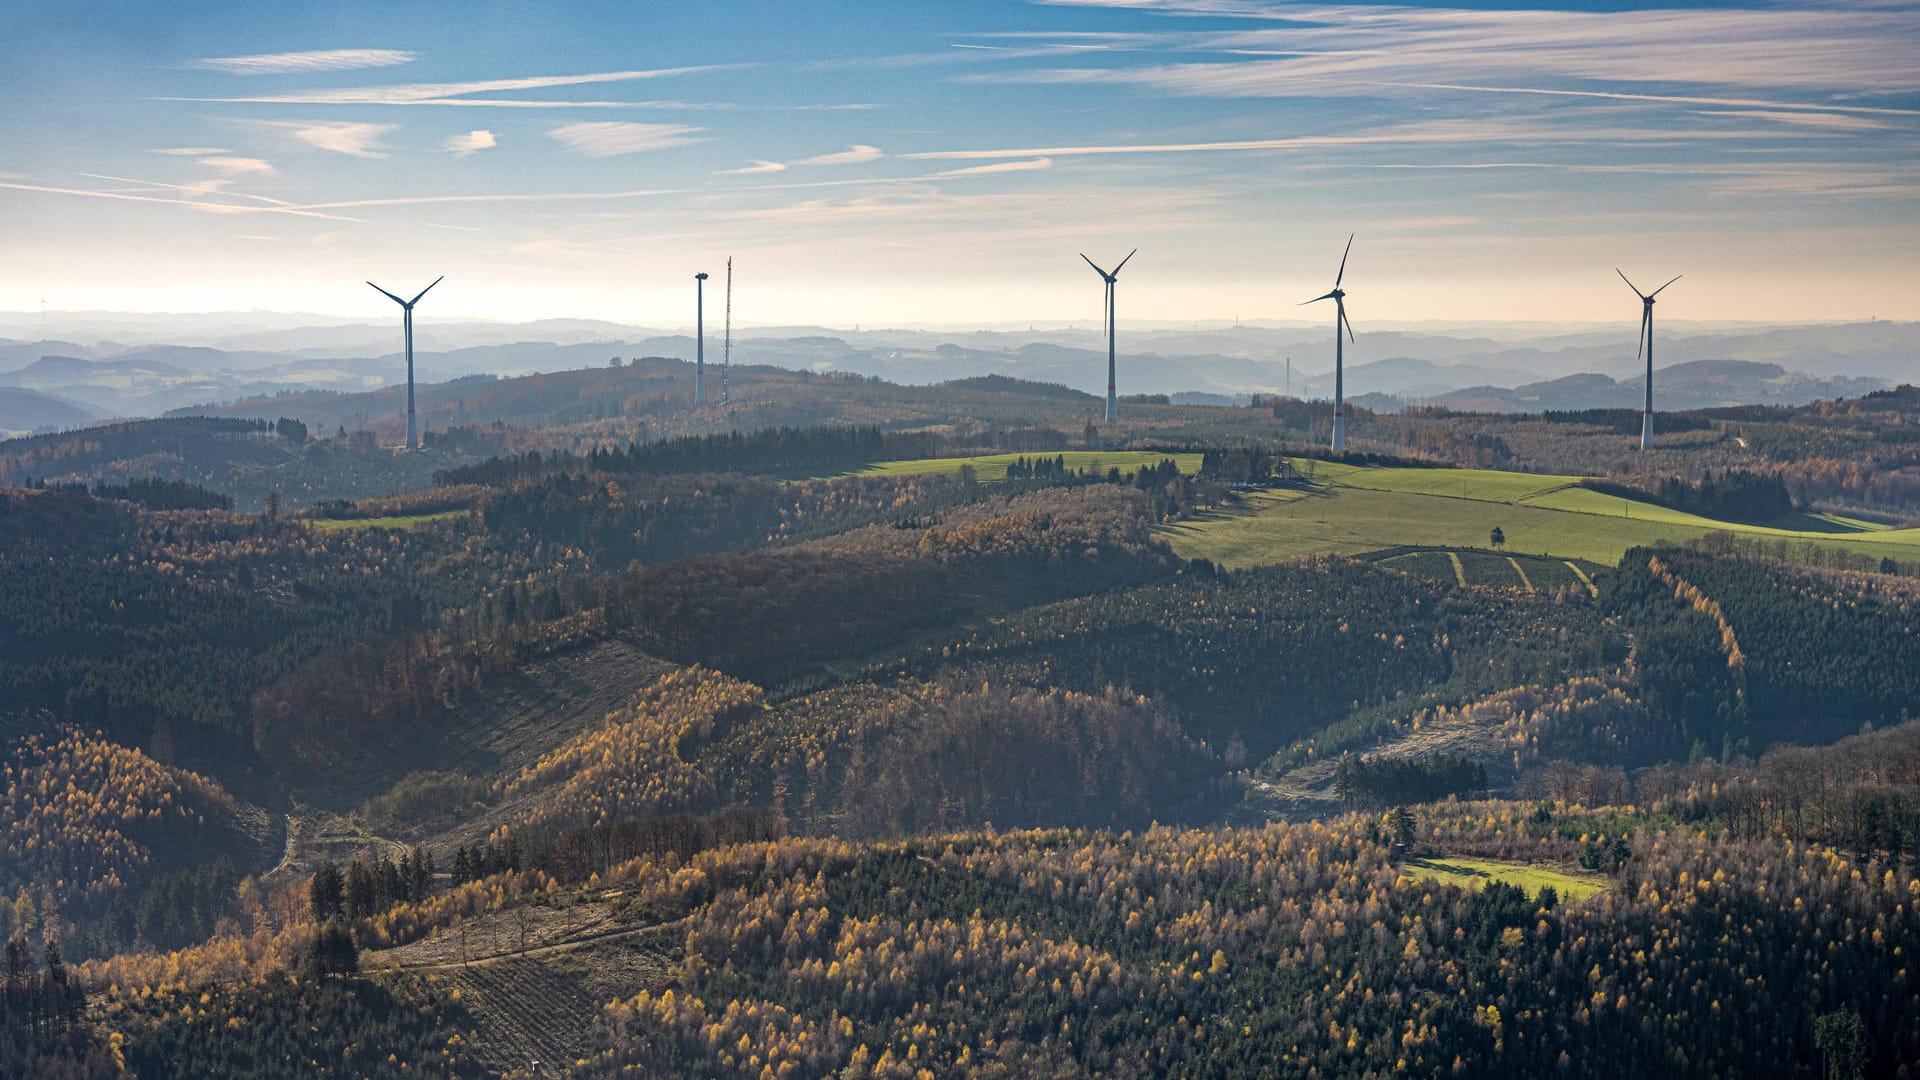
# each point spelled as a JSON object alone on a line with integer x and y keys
{"x": 1352, "y": 510}
{"x": 1475, "y": 873}
{"x": 406, "y": 522}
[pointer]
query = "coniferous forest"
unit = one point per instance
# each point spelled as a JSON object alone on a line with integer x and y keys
{"x": 784, "y": 752}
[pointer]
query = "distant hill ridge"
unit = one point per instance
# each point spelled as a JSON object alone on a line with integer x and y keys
{"x": 23, "y": 411}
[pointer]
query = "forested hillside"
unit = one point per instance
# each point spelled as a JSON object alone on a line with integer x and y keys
{"x": 723, "y": 754}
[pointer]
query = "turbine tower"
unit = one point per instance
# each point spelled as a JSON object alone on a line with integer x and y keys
{"x": 699, "y": 339}
{"x": 1338, "y": 296}
{"x": 1646, "y": 346}
{"x": 407, "y": 306}
{"x": 1113, "y": 405}
{"x": 726, "y": 348}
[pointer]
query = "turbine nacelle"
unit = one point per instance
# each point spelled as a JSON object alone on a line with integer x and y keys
{"x": 1646, "y": 309}
{"x": 1110, "y": 278}
{"x": 1647, "y": 297}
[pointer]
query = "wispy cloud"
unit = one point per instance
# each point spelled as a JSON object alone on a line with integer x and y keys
{"x": 611, "y": 138}
{"x": 998, "y": 167}
{"x": 238, "y": 166}
{"x": 1427, "y": 133}
{"x": 1658, "y": 99}
{"x": 1436, "y": 221}
{"x": 1315, "y": 49}
{"x": 852, "y": 155}
{"x": 1827, "y": 120}
{"x": 188, "y": 151}
{"x": 471, "y": 143}
{"x": 462, "y": 93}
{"x": 922, "y": 181}
{"x": 317, "y": 60}
{"x": 534, "y": 197}
{"x": 197, "y": 188}
{"x": 1722, "y": 180}
{"x": 195, "y": 204}
{"x": 351, "y": 137}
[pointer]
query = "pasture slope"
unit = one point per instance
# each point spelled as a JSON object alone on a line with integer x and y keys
{"x": 401, "y": 522}
{"x": 1474, "y": 873}
{"x": 1352, "y": 510}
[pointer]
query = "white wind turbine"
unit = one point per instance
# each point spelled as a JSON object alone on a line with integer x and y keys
{"x": 407, "y": 306}
{"x": 1646, "y": 346}
{"x": 1338, "y": 296}
{"x": 1113, "y": 406}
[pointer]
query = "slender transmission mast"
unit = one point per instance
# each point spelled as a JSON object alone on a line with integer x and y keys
{"x": 726, "y": 347}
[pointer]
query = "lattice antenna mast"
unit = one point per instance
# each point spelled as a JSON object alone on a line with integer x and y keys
{"x": 726, "y": 347}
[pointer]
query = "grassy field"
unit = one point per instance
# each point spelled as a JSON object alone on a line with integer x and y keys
{"x": 994, "y": 466}
{"x": 1529, "y": 572}
{"x": 407, "y": 522}
{"x": 1356, "y": 510}
{"x": 1473, "y": 873}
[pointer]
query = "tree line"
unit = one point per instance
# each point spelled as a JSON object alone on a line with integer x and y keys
{"x": 773, "y": 450}
{"x": 1382, "y": 781}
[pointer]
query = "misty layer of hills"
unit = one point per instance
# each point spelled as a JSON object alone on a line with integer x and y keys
{"x": 95, "y": 367}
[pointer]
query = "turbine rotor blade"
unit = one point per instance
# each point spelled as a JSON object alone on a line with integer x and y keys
{"x": 1096, "y": 267}
{"x": 1317, "y": 299}
{"x": 1662, "y": 288}
{"x": 1343, "y": 261}
{"x": 1631, "y": 285}
{"x": 388, "y": 295}
{"x": 1646, "y": 316}
{"x": 1340, "y": 307}
{"x": 424, "y": 291}
{"x": 1123, "y": 262}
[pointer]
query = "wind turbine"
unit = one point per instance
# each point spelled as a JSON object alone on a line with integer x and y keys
{"x": 1338, "y": 296}
{"x": 407, "y": 306}
{"x": 1646, "y": 346}
{"x": 1113, "y": 408}
{"x": 700, "y": 339}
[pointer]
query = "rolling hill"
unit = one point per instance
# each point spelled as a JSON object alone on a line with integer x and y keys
{"x": 1350, "y": 510}
{"x": 24, "y": 411}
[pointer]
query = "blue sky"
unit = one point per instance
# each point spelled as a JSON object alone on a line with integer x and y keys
{"x": 892, "y": 164}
